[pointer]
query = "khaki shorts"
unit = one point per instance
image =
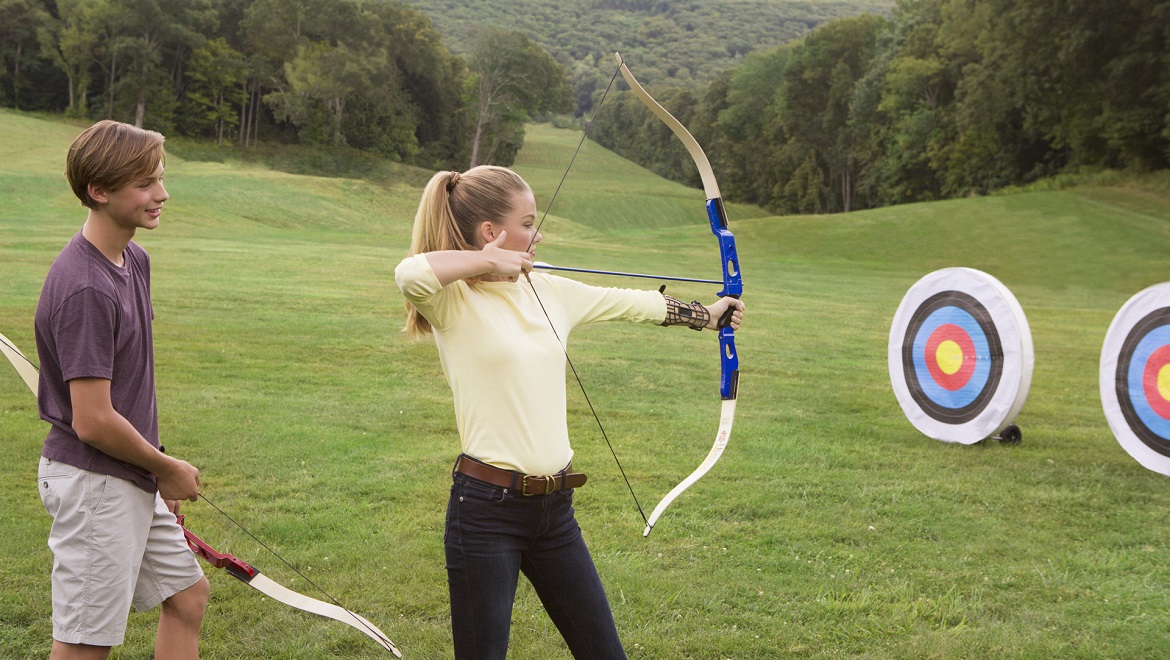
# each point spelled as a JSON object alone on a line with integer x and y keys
{"x": 114, "y": 545}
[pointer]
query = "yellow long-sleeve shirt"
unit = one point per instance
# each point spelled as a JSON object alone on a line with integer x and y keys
{"x": 503, "y": 362}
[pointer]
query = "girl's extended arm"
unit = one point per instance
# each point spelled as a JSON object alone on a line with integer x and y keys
{"x": 697, "y": 316}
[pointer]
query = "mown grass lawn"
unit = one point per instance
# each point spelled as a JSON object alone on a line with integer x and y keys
{"x": 831, "y": 528}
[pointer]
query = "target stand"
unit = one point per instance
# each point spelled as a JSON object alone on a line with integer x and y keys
{"x": 960, "y": 357}
{"x": 1135, "y": 377}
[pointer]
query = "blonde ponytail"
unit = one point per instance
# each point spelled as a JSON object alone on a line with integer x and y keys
{"x": 452, "y": 207}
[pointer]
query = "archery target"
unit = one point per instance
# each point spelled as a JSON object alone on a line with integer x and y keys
{"x": 960, "y": 355}
{"x": 1135, "y": 377}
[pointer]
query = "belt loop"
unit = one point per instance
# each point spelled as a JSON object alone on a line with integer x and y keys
{"x": 564, "y": 473}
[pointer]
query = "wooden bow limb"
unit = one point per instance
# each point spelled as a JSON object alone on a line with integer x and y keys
{"x": 28, "y": 372}
{"x": 252, "y": 577}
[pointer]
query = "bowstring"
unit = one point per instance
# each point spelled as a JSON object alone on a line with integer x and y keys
{"x": 291, "y": 567}
{"x": 572, "y": 160}
{"x": 540, "y": 302}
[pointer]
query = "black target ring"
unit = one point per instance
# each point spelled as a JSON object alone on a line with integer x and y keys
{"x": 911, "y": 360}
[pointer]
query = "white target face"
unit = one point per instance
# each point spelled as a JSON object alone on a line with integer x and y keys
{"x": 960, "y": 355}
{"x": 1135, "y": 377}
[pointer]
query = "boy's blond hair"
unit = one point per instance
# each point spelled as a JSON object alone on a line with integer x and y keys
{"x": 110, "y": 155}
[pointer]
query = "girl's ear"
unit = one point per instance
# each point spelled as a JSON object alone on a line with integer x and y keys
{"x": 487, "y": 232}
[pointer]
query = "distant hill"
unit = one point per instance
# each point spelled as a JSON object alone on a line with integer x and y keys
{"x": 671, "y": 42}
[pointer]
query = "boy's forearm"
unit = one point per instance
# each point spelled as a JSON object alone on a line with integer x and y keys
{"x": 114, "y": 435}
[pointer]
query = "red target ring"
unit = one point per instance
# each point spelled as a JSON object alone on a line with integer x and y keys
{"x": 950, "y": 356}
{"x": 1156, "y": 382}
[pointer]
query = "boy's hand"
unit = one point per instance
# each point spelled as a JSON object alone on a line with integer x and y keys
{"x": 179, "y": 482}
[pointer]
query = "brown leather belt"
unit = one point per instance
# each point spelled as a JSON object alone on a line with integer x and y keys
{"x": 527, "y": 484}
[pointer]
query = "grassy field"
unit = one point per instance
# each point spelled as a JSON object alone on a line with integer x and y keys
{"x": 831, "y": 528}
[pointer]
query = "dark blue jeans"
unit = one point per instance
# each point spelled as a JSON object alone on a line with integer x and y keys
{"x": 492, "y": 535}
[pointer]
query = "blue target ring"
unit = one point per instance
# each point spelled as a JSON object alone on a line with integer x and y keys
{"x": 939, "y": 393}
{"x": 974, "y": 323}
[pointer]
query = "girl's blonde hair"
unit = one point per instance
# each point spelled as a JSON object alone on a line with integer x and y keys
{"x": 452, "y": 208}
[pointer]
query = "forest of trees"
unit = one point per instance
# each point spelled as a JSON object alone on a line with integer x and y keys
{"x": 371, "y": 75}
{"x": 922, "y": 100}
{"x": 944, "y": 98}
{"x": 681, "y": 43}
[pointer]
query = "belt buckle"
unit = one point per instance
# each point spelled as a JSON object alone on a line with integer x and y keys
{"x": 549, "y": 484}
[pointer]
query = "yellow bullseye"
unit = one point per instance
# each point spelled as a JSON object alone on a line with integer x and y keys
{"x": 949, "y": 357}
{"x": 1164, "y": 381}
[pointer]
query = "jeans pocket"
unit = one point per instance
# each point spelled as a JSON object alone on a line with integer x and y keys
{"x": 473, "y": 490}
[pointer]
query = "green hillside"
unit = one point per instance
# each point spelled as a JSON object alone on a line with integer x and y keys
{"x": 680, "y": 43}
{"x": 830, "y": 528}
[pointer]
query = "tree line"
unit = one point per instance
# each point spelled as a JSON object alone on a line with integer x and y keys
{"x": 369, "y": 74}
{"x": 682, "y": 43}
{"x": 941, "y": 98}
{"x": 944, "y": 98}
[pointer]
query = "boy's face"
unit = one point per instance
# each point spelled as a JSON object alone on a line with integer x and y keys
{"x": 136, "y": 204}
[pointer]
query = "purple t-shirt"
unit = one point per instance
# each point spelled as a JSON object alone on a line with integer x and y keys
{"x": 94, "y": 321}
